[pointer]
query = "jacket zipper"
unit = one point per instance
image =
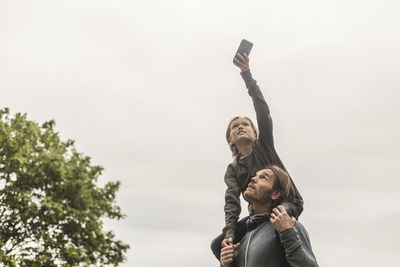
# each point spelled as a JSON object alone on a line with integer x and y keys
{"x": 247, "y": 249}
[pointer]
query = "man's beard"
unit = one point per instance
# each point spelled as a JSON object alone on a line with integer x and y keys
{"x": 265, "y": 197}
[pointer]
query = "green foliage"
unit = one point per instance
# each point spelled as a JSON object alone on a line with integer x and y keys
{"x": 51, "y": 209}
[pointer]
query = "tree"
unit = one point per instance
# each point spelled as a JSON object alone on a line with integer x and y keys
{"x": 51, "y": 208}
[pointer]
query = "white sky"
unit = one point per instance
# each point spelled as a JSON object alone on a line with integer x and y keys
{"x": 146, "y": 88}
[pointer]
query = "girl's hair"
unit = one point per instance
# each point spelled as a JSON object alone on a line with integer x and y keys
{"x": 233, "y": 148}
{"x": 282, "y": 184}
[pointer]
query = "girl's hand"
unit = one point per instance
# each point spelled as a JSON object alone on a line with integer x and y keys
{"x": 242, "y": 62}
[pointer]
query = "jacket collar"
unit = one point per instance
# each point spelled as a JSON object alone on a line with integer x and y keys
{"x": 255, "y": 220}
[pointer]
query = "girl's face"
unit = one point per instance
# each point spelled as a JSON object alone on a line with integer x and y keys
{"x": 241, "y": 130}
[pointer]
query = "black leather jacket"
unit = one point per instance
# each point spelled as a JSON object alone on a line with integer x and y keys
{"x": 263, "y": 246}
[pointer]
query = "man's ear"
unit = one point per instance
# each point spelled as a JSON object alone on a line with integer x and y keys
{"x": 276, "y": 195}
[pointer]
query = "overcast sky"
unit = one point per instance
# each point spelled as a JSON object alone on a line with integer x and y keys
{"x": 146, "y": 88}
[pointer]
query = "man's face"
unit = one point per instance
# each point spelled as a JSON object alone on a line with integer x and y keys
{"x": 241, "y": 129}
{"x": 260, "y": 187}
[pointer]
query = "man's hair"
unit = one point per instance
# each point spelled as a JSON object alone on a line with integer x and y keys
{"x": 282, "y": 184}
{"x": 233, "y": 148}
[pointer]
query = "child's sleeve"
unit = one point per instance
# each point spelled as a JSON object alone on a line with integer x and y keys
{"x": 266, "y": 138}
{"x": 232, "y": 203}
{"x": 264, "y": 120}
{"x": 293, "y": 209}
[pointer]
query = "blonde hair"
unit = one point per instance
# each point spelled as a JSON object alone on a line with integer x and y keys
{"x": 282, "y": 184}
{"x": 233, "y": 148}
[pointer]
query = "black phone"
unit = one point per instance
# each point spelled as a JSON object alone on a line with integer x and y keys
{"x": 244, "y": 47}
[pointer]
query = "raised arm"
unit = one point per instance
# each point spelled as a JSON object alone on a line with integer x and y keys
{"x": 261, "y": 108}
{"x": 264, "y": 122}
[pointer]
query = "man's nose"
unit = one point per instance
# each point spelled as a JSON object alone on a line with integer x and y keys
{"x": 253, "y": 180}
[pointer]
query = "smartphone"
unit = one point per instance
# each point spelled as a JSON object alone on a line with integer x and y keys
{"x": 244, "y": 47}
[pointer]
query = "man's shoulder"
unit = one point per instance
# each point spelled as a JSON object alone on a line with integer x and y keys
{"x": 298, "y": 230}
{"x": 300, "y": 226}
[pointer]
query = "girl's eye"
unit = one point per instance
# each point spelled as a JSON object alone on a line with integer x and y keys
{"x": 234, "y": 126}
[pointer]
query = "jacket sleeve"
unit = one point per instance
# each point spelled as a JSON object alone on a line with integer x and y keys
{"x": 298, "y": 247}
{"x": 232, "y": 203}
{"x": 264, "y": 120}
{"x": 266, "y": 138}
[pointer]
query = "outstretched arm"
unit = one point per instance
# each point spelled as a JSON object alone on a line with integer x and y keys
{"x": 264, "y": 120}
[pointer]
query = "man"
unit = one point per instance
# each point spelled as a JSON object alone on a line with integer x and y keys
{"x": 273, "y": 238}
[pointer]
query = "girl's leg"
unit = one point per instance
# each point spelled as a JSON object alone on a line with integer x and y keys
{"x": 239, "y": 233}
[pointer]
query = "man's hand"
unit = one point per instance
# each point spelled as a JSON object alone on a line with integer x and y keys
{"x": 280, "y": 219}
{"x": 227, "y": 242}
{"x": 227, "y": 254}
{"x": 242, "y": 62}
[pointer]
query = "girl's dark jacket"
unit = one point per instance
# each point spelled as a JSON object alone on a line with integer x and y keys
{"x": 240, "y": 171}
